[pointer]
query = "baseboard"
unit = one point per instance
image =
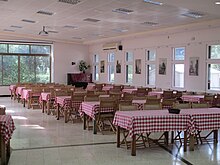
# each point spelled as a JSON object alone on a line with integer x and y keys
{"x": 5, "y": 95}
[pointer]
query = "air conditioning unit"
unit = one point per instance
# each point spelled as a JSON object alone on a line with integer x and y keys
{"x": 111, "y": 46}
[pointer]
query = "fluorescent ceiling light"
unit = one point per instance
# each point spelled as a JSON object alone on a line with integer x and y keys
{"x": 123, "y": 11}
{"x": 153, "y": 2}
{"x": 149, "y": 23}
{"x": 73, "y": 2}
{"x": 193, "y": 14}
{"x": 217, "y": 2}
{"x": 45, "y": 12}
{"x": 120, "y": 30}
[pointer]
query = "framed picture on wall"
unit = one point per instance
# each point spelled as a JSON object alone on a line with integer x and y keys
{"x": 102, "y": 66}
{"x": 162, "y": 66}
{"x": 118, "y": 67}
{"x": 194, "y": 66}
{"x": 138, "y": 66}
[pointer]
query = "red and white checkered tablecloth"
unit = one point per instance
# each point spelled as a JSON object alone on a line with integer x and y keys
{"x": 19, "y": 90}
{"x": 137, "y": 122}
{"x": 204, "y": 118}
{"x": 192, "y": 98}
{"x": 12, "y": 88}
{"x": 66, "y": 102}
{"x": 45, "y": 96}
{"x": 91, "y": 108}
{"x": 6, "y": 127}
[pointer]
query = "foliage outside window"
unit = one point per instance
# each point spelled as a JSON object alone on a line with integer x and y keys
{"x": 24, "y": 63}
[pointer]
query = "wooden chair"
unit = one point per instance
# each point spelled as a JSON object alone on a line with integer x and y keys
{"x": 198, "y": 133}
{"x": 209, "y": 99}
{"x": 148, "y": 106}
{"x": 167, "y": 94}
{"x": 104, "y": 120}
{"x": 168, "y": 103}
{"x": 91, "y": 98}
{"x": 141, "y": 92}
{"x": 153, "y": 101}
{"x": 200, "y": 105}
{"x": 182, "y": 105}
{"x": 178, "y": 133}
{"x": 73, "y": 111}
{"x": 125, "y": 133}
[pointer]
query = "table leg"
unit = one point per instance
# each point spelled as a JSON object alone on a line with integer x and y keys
{"x": 58, "y": 111}
{"x": 29, "y": 103}
{"x": 118, "y": 136}
{"x": 65, "y": 115}
{"x": 84, "y": 121}
{"x": 3, "y": 151}
{"x": 185, "y": 141}
{"x": 166, "y": 134}
{"x": 133, "y": 146}
{"x": 43, "y": 106}
{"x": 48, "y": 107}
{"x": 23, "y": 102}
{"x": 215, "y": 135}
{"x": 94, "y": 126}
{"x": 191, "y": 142}
{"x": 172, "y": 137}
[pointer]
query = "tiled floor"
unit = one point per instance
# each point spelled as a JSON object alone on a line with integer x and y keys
{"x": 42, "y": 140}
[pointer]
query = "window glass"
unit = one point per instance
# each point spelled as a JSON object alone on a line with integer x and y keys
{"x": 151, "y": 55}
{"x": 179, "y": 53}
{"x": 40, "y": 49}
{"x": 111, "y": 57}
{"x": 151, "y": 72}
{"x": 42, "y": 69}
{"x": 3, "y": 48}
{"x": 111, "y": 71}
{"x": 27, "y": 69}
{"x": 179, "y": 75}
{"x": 10, "y": 70}
{"x": 214, "y": 52}
{"x": 19, "y": 49}
{"x": 129, "y": 73}
{"x": 129, "y": 56}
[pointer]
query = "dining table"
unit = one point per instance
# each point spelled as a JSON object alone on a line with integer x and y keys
{"x": 148, "y": 121}
{"x": 192, "y": 98}
{"x": 90, "y": 110}
{"x": 7, "y": 128}
{"x": 64, "y": 103}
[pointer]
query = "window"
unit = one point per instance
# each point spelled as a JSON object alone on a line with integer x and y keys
{"x": 111, "y": 67}
{"x": 129, "y": 67}
{"x": 96, "y": 67}
{"x": 213, "y": 66}
{"x": 24, "y": 63}
{"x": 178, "y": 67}
{"x": 150, "y": 67}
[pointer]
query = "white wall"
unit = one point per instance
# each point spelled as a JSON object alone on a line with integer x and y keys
{"x": 195, "y": 43}
{"x": 64, "y": 54}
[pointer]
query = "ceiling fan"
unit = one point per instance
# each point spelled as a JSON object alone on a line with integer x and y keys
{"x": 43, "y": 32}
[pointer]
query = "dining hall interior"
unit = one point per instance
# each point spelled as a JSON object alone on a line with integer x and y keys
{"x": 109, "y": 82}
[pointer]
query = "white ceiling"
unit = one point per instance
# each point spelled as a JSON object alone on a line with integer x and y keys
{"x": 111, "y": 24}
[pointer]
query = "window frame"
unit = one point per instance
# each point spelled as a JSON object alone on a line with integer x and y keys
{"x": 19, "y": 55}
{"x": 148, "y": 62}
{"x": 127, "y": 64}
{"x": 175, "y": 62}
